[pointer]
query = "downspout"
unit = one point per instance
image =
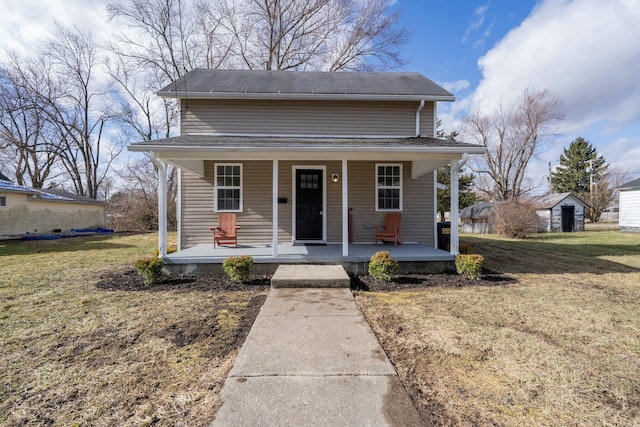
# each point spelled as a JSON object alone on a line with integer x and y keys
{"x": 418, "y": 117}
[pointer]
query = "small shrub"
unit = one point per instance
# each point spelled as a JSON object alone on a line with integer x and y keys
{"x": 150, "y": 269}
{"x": 465, "y": 248}
{"x": 382, "y": 266}
{"x": 470, "y": 265}
{"x": 238, "y": 268}
{"x": 515, "y": 219}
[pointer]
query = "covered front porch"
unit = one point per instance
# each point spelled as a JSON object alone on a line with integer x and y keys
{"x": 413, "y": 257}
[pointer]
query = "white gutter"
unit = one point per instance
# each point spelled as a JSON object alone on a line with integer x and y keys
{"x": 333, "y": 148}
{"x": 305, "y": 96}
{"x": 418, "y": 117}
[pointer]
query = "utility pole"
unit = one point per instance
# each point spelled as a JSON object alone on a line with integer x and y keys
{"x": 590, "y": 172}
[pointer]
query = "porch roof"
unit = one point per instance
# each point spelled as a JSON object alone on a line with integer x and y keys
{"x": 189, "y": 151}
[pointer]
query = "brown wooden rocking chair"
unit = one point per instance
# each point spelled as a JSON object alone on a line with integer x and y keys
{"x": 225, "y": 233}
{"x": 390, "y": 231}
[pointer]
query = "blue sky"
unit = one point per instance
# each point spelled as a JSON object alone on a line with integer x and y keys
{"x": 587, "y": 52}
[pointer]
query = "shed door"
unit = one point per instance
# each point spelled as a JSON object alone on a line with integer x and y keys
{"x": 568, "y": 218}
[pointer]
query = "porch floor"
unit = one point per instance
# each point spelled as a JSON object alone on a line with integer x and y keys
{"x": 412, "y": 257}
{"x": 293, "y": 254}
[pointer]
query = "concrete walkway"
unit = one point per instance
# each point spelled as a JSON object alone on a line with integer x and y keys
{"x": 311, "y": 359}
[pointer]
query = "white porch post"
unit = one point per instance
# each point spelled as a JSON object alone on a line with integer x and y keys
{"x": 162, "y": 209}
{"x": 345, "y": 209}
{"x": 275, "y": 207}
{"x": 455, "y": 168}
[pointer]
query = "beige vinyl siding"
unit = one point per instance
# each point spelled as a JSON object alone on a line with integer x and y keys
{"x": 256, "y": 219}
{"x": 427, "y": 125}
{"x": 197, "y": 201}
{"x": 278, "y": 117}
{"x": 417, "y": 213}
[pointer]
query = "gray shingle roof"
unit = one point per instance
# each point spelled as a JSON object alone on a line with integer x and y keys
{"x": 548, "y": 201}
{"x": 208, "y": 83}
{"x": 479, "y": 211}
{"x": 55, "y": 195}
{"x": 631, "y": 184}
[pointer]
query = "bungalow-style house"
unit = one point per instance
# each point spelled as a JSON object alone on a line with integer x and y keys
{"x": 33, "y": 211}
{"x": 560, "y": 212}
{"x": 309, "y": 163}
{"x": 629, "y": 214}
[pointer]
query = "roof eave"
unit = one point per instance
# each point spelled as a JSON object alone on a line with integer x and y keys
{"x": 317, "y": 148}
{"x": 304, "y": 96}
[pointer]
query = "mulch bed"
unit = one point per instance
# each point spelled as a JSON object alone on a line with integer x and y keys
{"x": 130, "y": 280}
{"x": 413, "y": 281}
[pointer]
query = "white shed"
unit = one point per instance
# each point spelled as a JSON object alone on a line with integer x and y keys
{"x": 560, "y": 212}
{"x": 630, "y": 206}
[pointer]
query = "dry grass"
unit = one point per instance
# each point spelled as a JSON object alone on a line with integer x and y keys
{"x": 73, "y": 354}
{"x": 561, "y": 347}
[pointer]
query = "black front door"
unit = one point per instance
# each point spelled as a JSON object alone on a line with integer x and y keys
{"x": 568, "y": 217}
{"x": 309, "y": 184}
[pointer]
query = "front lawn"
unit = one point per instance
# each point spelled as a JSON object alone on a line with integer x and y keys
{"x": 73, "y": 353}
{"x": 561, "y": 346}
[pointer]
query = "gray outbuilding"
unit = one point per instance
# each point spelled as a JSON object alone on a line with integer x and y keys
{"x": 560, "y": 212}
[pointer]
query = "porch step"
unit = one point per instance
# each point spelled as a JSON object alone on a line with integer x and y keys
{"x": 310, "y": 276}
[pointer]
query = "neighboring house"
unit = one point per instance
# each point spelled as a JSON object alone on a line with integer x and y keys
{"x": 630, "y": 206}
{"x": 304, "y": 158}
{"x": 26, "y": 210}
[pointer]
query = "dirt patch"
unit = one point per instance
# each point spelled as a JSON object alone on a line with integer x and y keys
{"x": 130, "y": 280}
{"x": 226, "y": 339}
{"x": 413, "y": 281}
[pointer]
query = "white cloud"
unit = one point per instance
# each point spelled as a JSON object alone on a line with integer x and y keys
{"x": 24, "y": 22}
{"x": 585, "y": 51}
{"x": 624, "y": 153}
{"x": 478, "y": 19}
{"x": 457, "y": 86}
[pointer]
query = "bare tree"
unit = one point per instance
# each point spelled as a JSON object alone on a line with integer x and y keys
{"x": 605, "y": 191}
{"x": 513, "y": 136}
{"x": 79, "y": 108}
{"x": 26, "y": 137}
{"x": 329, "y": 35}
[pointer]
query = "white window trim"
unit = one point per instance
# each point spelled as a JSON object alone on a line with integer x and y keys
{"x": 377, "y": 187}
{"x": 216, "y": 187}
{"x": 3, "y": 205}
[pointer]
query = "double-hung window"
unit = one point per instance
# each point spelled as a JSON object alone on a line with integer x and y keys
{"x": 228, "y": 189}
{"x": 3, "y": 202}
{"x": 388, "y": 187}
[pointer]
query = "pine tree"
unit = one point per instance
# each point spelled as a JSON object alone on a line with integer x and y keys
{"x": 573, "y": 175}
{"x": 466, "y": 197}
